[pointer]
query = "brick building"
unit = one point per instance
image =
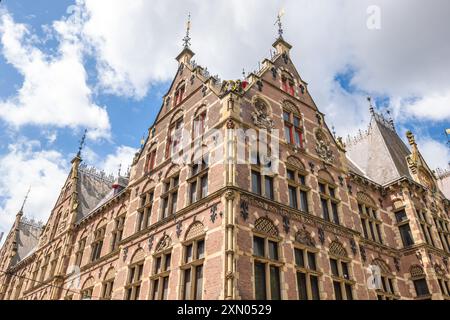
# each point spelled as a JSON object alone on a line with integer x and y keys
{"x": 317, "y": 228}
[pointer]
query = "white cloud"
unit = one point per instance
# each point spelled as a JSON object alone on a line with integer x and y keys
{"x": 54, "y": 90}
{"x": 123, "y": 157}
{"x": 25, "y": 165}
{"x": 436, "y": 154}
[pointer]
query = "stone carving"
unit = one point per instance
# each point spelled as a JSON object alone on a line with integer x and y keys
{"x": 304, "y": 237}
{"x": 213, "y": 213}
{"x": 179, "y": 228}
{"x": 195, "y": 230}
{"x": 261, "y": 116}
{"x": 163, "y": 243}
{"x": 363, "y": 253}
{"x": 353, "y": 246}
{"x": 244, "y": 210}
{"x": 321, "y": 236}
{"x": 286, "y": 224}
{"x": 323, "y": 147}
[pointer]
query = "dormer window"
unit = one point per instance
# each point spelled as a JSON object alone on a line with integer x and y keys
{"x": 179, "y": 94}
{"x": 150, "y": 161}
{"x": 288, "y": 85}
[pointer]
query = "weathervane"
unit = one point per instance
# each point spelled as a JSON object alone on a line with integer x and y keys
{"x": 25, "y": 199}
{"x": 280, "y": 24}
{"x": 187, "y": 38}
{"x": 82, "y": 142}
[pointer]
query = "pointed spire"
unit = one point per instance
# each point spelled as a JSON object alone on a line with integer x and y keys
{"x": 187, "y": 38}
{"x": 280, "y": 24}
{"x": 412, "y": 142}
{"x": 82, "y": 143}
{"x": 186, "y": 55}
{"x": 281, "y": 46}
{"x": 120, "y": 170}
{"x": 25, "y": 200}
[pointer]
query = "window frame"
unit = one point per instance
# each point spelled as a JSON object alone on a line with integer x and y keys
{"x": 192, "y": 267}
{"x": 299, "y": 187}
{"x": 330, "y": 201}
{"x": 133, "y": 286}
{"x": 307, "y": 270}
{"x": 169, "y": 195}
{"x": 268, "y": 263}
{"x": 159, "y": 276}
{"x": 340, "y": 277}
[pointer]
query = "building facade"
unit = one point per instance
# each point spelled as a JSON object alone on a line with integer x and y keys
{"x": 361, "y": 220}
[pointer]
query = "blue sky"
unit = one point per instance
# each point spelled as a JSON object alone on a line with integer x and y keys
{"x": 105, "y": 64}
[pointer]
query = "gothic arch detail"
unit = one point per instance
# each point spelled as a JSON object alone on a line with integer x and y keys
{"x": 365, "y": 198}
{"x": 337, "y": 249}
{"x": 326, "y": 176}
{"x": 290, "y": 107}
{"x": 295, "y": 162}
{"x": 110, "y": 275}
{"x": 196, "y": 229}
{"x": 88, "y": 283}
{"x": 138, "y": 256}
{"x": 266, "y": 226}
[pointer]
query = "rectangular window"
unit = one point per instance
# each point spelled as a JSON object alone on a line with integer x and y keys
{"x": 337, "y": 290}
{"x": 304, "y": 201}
{"x": 193, "y": 270}
{"x": 256, "y": 182}
{"x": 325, "y": 212}
{"x": 334, "y": 209}
{"x": 401, "y": 216}
{"x": 269, "y": 188}
{"x": 301, "y": 286}
{"x": 421, "y": 287}
{"x": 293, "y": 197}
{"x": 273, "y": 250}
{"x": 260, "y": 281}
{"x": 258, "y": 247}
{"x": 275, "y": 288}
{"x": 406, "y": 235}
{"x": 334, "y": 267}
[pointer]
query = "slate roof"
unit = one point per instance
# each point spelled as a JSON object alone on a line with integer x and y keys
{"x": 27, "y": 239}
{"x": 93, "y": 188}
{"x": 379, "y": 153}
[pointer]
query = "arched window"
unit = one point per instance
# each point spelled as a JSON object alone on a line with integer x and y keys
{"x": 134, "y": 280}
{"x": 340, "y": 272}
{"x": 419, "y": 280}
{"x": 193, "y": 260}
{"x": 328, "y": 197}
{"x": 169, "y": 198}
{"x": 97, "y": 245}
{"x": 306, "y": 266}
{"x": 266, "y": 260}
{"x": 179, "y": 94}
{"x": 150, "y": 160}
{"x": 198, "y": 182}
{"x": 87, "y": 289}
{"x": 385, "y": 282}
{"x": 297, "y": 187}
{"x": 199, "y": 123}
{"x": 371, "y": 224}
{"x": 293, "y": 125}
{"x": 287, "y": 84}
{"x": 80, "y": 250}
{"x": 175, "y": 136}
{"x": 108, "y": 284}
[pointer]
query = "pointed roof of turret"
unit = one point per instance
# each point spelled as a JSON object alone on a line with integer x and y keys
{"x": 379, "y": 152}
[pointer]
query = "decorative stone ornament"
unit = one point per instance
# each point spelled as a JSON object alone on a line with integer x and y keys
{"x": 244, "y": 210}
{"x": 353, "y": 246}
{"x": 286, "y": 224}
{"x": 321, "y": 235}
{"x": 363, "y": 253}
{"x": 305, "y": 238}
{"x": 261, "y": 117}
{"x": 323, "y": 148}
{"x": 179, "y": 229}
{"x": 213, "y": 213}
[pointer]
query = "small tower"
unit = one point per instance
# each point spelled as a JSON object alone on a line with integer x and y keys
{"x": 280, "y": 45}
{"x": 186, "y": 54}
